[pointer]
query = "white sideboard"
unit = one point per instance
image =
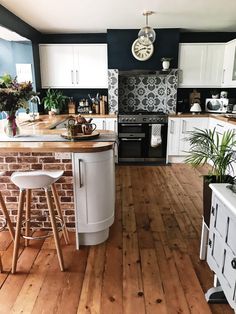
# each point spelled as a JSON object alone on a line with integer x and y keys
{"x": 221, "y": 253}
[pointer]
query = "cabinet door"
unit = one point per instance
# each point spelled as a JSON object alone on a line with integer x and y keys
{"x": 91, "y": 67}
{"x": 214, "y": 65}
{"x": 229, "y": 71}
{"x": 192, "y": 61}
{"x": 100, "y": 123}
{"x": 173, "y": 137}
{"x": 111, "y": 124}
{"x": 187, "y": 125}
{"x": 94, "y": 190}
{"x": 57, "y": 66}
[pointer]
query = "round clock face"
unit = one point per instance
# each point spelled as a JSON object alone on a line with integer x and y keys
{"x": 141, "y": 52}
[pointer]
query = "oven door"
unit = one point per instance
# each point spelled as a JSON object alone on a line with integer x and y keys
{"x": 156, "y": 142}
{"x": 131, "y": 147}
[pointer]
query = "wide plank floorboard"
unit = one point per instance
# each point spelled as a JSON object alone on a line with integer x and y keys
{"x": 149, "y": 265}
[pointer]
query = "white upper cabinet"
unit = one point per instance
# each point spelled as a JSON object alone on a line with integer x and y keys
{"x": 74, "y": 66}
{"x": 229, "y": 68}
{"x": 201, "y": 64}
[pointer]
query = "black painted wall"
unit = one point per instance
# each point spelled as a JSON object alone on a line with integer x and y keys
{"x": 206, "y": 37}
{"x": 120, "y": 55}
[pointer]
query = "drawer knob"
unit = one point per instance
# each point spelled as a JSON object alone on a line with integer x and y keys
{"x": 233, "y": 263}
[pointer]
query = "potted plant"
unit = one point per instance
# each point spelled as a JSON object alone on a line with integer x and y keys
{"x": 206, "y": 147}
{"x": 54, "y": 101}
{"x": 214, "y": 94}
{"x": 165, "y": 63}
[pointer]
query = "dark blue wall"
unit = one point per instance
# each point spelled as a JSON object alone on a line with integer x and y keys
{"x": 6, "y": 58}
{"x": 119, "y": 49}
{"x": 15, "y": 52}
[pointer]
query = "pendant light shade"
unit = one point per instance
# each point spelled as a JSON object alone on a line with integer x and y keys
{"x": 147, "y": 34}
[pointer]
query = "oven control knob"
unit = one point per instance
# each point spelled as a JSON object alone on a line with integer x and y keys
{"x": 134, "y": 119}
{"x": 150, "y": 119}
{"x": 130, "y": 119}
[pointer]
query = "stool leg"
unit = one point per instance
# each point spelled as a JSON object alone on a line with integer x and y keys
{"x": 54, "y": 228}
{"x": 18, "y": 229}
{"x": 6, "y": 214}
{"x": 27, "y": 215}
{"x": 58, "y": 207}
{"x": 1, "y": 268}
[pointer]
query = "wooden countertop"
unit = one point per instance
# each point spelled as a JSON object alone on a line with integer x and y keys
{"x": 205, "y": 115}
{"x": 42, "y": 127}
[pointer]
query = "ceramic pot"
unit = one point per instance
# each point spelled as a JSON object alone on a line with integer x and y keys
{"x": 165, "y": 65}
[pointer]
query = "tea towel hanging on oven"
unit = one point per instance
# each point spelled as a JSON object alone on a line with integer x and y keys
{"x": 156, "y": 135}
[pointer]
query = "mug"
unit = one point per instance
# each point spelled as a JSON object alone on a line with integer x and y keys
{"x": 88, "y": 128}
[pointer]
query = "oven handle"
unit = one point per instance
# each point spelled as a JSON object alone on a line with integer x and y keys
{"x": 131, "y": 124}
{"x": 131, "y": 139}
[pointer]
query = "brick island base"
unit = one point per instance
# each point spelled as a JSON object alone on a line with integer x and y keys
{"x": 86, "y": 190}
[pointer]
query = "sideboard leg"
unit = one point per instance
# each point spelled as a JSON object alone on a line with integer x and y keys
{"x": 215, "y": 295}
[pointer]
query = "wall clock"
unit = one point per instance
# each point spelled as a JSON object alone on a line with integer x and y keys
{"x": 142, "y": 52}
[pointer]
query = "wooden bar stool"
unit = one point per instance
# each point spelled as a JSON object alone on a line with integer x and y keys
{"x": 5, "y": 221}
{"x": 26, "y": 181}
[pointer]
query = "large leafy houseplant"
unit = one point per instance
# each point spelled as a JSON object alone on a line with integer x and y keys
{"x": 208, "y": 147}
{"x": 54, "y": 100}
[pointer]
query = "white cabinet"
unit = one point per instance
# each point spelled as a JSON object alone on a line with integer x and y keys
{"x": 173, "y": 136}
{"x": 94, "y": 192}
{"x": 178, "y": 128}
{"x": 187, "y": 125}
{"x": 109, "y": 124}
{"x": 201, "y": 64}
{"x": 73, "y": 66}
{"x": 221, "y": 253}
{"x": 229, "y": 67}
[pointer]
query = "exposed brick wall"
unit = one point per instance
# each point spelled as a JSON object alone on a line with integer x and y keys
{"x": 11, "y": 162}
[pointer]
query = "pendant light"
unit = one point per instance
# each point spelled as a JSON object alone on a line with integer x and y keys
{"x": 147, "y": 34}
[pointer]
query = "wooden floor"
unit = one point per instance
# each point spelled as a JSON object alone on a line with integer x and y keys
{"x": 149, "y": 264}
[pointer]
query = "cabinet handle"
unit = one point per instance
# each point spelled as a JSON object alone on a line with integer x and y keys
{"x": 172, "y": 127}
{"x": 80, "y": 177}
{"x": 223, "y": 76}
{"x": 72, "y": 77}
{"x": 103, "y": 125}
{"x": 233, "y": 263}
{"x": 114, "y": 125}
{"x": 77, "y": 77}
{"x": 184, "y": 127}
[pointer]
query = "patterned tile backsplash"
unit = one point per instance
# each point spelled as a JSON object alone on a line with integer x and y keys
{"x": 113, "y": 90}
{"x": 148, "y": 92}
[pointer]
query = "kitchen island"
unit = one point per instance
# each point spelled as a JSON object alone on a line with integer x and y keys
{"x": 87, "y": 188}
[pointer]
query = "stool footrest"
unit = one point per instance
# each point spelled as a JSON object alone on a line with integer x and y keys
{"x": 50, "y": 234}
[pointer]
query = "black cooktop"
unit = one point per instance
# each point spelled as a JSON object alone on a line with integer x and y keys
{"x": 142, "y": 112}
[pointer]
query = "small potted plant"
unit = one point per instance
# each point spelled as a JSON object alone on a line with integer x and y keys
{"x": 214, "y": 93}
{"x": 165, "y": 63}
{"x": 54, "y": 101}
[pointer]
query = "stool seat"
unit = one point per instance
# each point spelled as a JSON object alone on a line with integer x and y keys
{"x": 35, "y": 179}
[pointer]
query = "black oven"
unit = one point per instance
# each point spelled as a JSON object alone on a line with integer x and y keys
{"x": 142, "y": 138}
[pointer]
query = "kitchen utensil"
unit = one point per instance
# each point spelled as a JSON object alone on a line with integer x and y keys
{"x": 88, "y": 128}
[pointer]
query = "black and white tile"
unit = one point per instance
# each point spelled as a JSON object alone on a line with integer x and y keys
{"x": 151, "y": 93}
{"x": 113, "y": 90}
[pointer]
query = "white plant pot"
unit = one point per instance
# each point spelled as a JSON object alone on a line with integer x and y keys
{"x": 165, "y": 65}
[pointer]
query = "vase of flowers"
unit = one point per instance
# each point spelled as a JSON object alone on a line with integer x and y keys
{"x": 13, "y": 96}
